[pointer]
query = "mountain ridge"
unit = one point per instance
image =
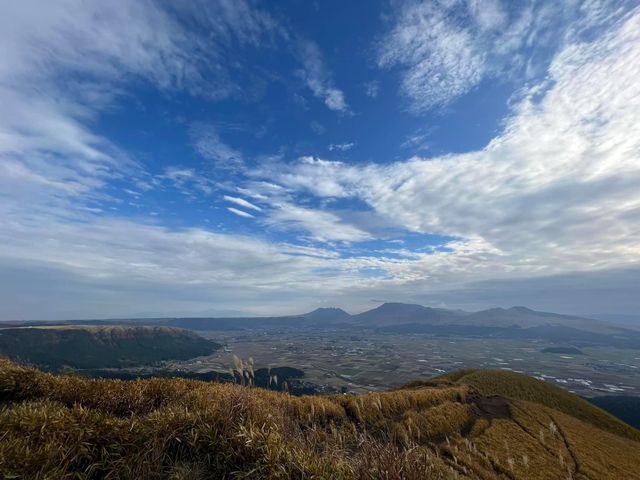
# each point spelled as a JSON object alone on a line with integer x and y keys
{"x": 56, "y": 347}
{"x": 387, "y": 310}
{"x": 517, "y": 322}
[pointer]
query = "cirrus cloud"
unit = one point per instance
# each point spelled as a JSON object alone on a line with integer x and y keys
{"x": 444, "y": 49}
{"x": 557, "y": 191}
{"x": 555, "y": 196}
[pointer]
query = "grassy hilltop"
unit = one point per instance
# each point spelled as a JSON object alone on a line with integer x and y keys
{"x": 470, "y": 425}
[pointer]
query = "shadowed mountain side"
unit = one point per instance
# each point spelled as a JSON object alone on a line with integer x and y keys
{"x": 91, "y": 346}
{"x": 626, "y": 408}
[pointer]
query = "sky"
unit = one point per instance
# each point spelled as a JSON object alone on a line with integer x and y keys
{"x": 237, "y": 157}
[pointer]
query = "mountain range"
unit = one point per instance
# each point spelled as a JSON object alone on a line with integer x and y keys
{"x": 402, "y": 318}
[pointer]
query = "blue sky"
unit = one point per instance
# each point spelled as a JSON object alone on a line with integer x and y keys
{"x": 246, "y": 157}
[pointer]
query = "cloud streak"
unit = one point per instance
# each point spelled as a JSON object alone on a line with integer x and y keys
{"x": 242, "y": 202}
{"x": 343, "y": 147}
{"x": 240, "y": 213}
{"x": 207, "y": 143}
{"x": 320, "y": 225}
{"x": 318, "y": 78}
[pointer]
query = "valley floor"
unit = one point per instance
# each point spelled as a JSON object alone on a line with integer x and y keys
{"x": 370, "y": 362}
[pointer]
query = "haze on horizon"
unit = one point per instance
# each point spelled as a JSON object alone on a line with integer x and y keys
{"x": 250, "y": 158}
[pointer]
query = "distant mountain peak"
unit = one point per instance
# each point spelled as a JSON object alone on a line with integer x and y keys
{"x": 327, "y": 314}
{"x": 399, "y": 305}
{"x": 396, "y": 312}
{"x": 522, "y": 309}
{"x": 328, "y": 310}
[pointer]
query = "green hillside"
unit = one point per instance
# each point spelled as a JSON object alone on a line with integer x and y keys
{"x": 86, "y": 347}
{"x": 56, "y": 426}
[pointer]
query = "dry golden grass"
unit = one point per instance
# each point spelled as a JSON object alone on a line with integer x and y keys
{"x": 69, "y": 427}
{"x": 522, "y": 387}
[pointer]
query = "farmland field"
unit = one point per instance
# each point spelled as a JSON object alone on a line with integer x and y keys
{"x": 334, "y": 359}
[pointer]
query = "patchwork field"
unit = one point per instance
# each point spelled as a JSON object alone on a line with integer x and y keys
{"x": 370, "y": 362}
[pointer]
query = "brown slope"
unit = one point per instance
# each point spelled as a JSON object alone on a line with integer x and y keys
{"x": 62, "y": 427}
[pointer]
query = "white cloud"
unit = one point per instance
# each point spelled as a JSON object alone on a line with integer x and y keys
{"x": 237, "y": 20}
{"x": 343, "y": 147}
{"x": 445, "y": 49}
{"x": 106, "y": 40}
{"x": 558, "y": 191}
{"x": 177, "y": 173}
{"x": 419, "y": 139}
{"x": 372, "y": 88}
{"x": 108, "y": 267}
{"x": 318, "y": 78}
{"x": 488, "y": 14}
{"x": 207, "y": 143}
{"x": 64, "y": 63}
{"x": 324, "y": 178}
{"x": 318, "y": 224}
{"x": 242, "y": 202}
{"x": 240, "y": 213}
{"x": 334, "y": 99}
{"x": 440, "y": 58}
{"x": 317, "y": 127}
{"x": 187, "y": 181}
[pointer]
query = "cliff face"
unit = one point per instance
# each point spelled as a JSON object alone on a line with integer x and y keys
{"x": 476, "y": 425}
